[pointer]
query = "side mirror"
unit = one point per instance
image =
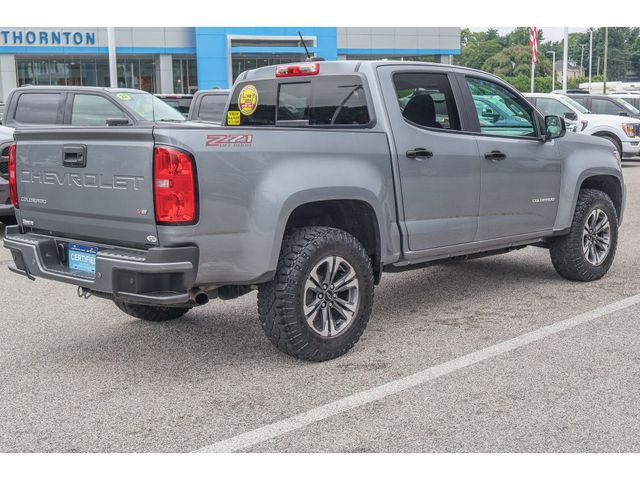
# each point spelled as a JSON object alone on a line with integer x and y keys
{"x": 117, "y": 122}
{"x": 571, "y": 116}
{"x": 555, "y": 127}
{"x": 623, "y": 114}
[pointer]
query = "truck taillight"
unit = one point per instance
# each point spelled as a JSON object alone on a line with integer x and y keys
{"x": 174, "y": 186}
{"x": 298, "y": 70}
{"x": 13, "y": 182}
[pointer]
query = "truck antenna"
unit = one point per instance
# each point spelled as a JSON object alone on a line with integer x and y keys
{"x": 304, "y": 45}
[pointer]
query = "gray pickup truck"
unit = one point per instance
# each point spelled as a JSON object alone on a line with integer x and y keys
{"x": 322, "y": 176}
{"x": 208, "y": 105}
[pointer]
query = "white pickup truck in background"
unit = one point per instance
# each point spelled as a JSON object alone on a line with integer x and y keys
{"x": 623, "y": 132}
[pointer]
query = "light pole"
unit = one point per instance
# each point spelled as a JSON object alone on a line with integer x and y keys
{"x": 604, "y": 68}
{"x": 553, "y": 70}
{"x": 582, "y": 45}
{"x": 565, "y": 59}
{"x": 113, "y": 71}
{"x": 590, "y": 55}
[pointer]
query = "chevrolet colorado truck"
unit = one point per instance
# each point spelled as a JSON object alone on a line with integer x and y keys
{"x": 322, "y": 176}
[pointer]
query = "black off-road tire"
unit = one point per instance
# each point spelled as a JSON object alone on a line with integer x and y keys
{"x": 566, "y": 252}
{"x": 280, "y": 302}
{"x": 151, "y": 313}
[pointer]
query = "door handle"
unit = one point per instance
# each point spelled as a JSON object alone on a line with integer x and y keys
{"x": 419, "y": 153}
{"x": 495, "y": 156}
{"x": 74, "y": 156}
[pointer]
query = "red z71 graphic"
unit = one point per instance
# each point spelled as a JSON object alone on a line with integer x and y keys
{"x": 228, "y": 140}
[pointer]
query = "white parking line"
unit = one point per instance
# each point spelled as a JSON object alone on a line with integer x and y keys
{"x": 262, "y": 434}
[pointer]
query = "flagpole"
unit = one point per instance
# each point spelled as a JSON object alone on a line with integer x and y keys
{"x": 533, "y": 67}
{"x": 533, "y": 43}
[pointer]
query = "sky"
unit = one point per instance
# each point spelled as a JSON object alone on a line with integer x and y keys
{"x": 550, "y": 33}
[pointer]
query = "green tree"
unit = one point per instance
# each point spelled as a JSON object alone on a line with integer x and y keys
{"x": 514, "y": 61}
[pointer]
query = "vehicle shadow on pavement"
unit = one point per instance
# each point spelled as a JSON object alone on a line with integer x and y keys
{"x": 224, "y": 333}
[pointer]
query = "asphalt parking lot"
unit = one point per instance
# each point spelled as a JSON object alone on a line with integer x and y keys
{"x": 78, "y": 375}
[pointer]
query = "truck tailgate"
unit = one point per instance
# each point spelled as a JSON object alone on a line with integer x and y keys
{"x": 88, "y": 184}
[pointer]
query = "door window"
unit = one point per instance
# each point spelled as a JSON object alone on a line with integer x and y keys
{"x": 604, "y": 106}
{"x": 551, "y": 106}
{"x": 93, "y": 111}
{"x": 426, "y": 100}
{"x": 38, "y": 108}
{"x": 500, "y": 111}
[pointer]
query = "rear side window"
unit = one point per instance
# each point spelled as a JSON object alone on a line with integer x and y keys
{"x": 551, "y": 106}
{"x": 582, "y": 100}
{"x": 212, "y": 108}
{"x": 93, "y": 111}
{"x": 426, "y": 100}
{"x": 321, "y": 101}
{"x": 605, "y": 106}
{"x": 38, "y": 108}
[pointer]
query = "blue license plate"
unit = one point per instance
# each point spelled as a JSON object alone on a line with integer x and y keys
{"x": 82, "y": 258}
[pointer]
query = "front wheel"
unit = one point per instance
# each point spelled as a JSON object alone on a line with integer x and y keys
{"x": 151, "y": 313}
{"x": 616, "y": 144}
{"x": 318, "y": 305}
{"x": 587, "y": 251}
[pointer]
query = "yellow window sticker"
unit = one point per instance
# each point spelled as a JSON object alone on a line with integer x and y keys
{"x": 248, "y": 100}
{"x": 125, "y": 97}
{"x": 233, "y": 118}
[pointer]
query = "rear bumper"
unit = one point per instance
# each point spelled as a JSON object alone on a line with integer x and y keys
{"x": 158, "y": 276}
{"x": 6, "y": 209}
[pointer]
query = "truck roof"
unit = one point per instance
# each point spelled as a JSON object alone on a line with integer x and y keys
{"x": 79, "y": 88}
{"x": 338, "y": 67}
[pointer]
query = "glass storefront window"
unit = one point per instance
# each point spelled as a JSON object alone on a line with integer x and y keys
{"x": 86, "y": 71}
{"x": 185, "y": 75}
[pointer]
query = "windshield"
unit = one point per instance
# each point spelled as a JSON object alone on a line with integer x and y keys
{"x": 574, "y": 104}
{"x": 149, "y": 107}
{"x": 628, "y": 106}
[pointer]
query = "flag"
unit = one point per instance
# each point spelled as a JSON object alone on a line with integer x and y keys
{"x": 533, "y": 42}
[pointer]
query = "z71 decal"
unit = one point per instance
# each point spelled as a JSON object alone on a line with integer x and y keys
{"x": 229, "y": 140}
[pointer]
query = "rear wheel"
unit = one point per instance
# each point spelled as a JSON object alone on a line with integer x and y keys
{"x": 587, "y": 251}
{"x": 151, "y": 313}
{"x": 318, "y": 305}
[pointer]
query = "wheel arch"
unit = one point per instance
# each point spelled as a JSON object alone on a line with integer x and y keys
{"x": 608, "y": 184}
{"x": 356, "y": 216}
{"x": 612, "y": 134}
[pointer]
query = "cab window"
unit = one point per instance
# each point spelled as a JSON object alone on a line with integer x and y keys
{"x": 321, "y": 101}
{"x": 212, "y": 108}
{"x": 38, "y": 108}
{"x": 605, "y": 106}
{"x": 426, "y": 100}
{"x": 551, "y": 106}
{"x": 500, "y": 111}
{"x": 93, "y": 111}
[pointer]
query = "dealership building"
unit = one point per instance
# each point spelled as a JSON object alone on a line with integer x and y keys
{"x": 182, "y": 60}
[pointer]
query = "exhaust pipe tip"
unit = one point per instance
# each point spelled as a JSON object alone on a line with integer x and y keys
{"x": 201, "y": 298}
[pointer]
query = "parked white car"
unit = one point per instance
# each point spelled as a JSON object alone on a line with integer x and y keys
{"x": 623, "y": 132}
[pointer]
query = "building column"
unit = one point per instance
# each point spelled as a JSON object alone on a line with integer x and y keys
{"x": 8, "y": 75}
{"x": 164, "y": 74}
{"x": 445, "y": 59}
